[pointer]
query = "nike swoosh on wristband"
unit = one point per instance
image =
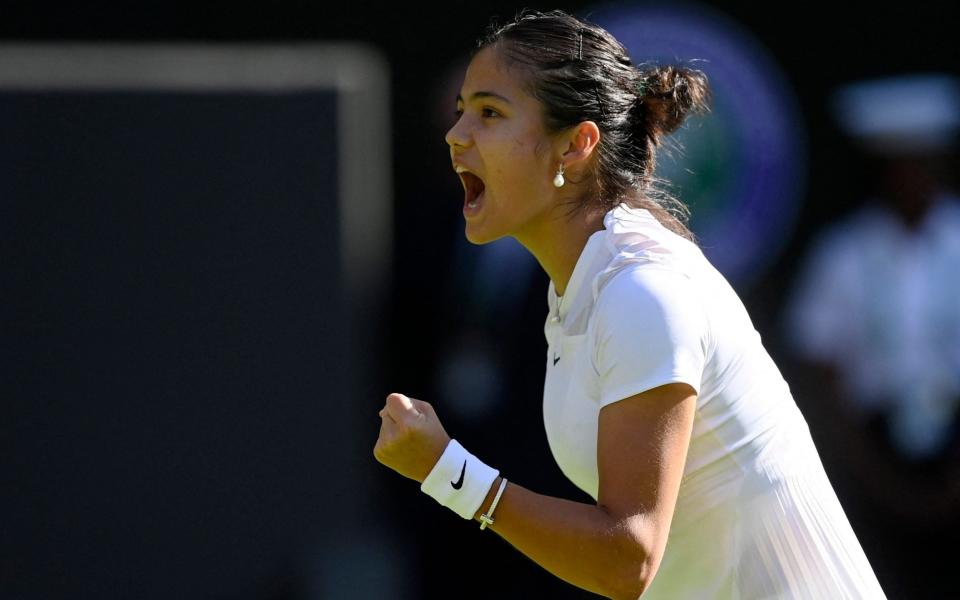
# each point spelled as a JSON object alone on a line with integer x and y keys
{"x": 556, "y": 359}
{"x": 459, "y": 482}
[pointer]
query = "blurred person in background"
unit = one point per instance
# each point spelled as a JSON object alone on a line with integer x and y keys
{"x": 659, "y": 401}
{"x": 874, "y": 319}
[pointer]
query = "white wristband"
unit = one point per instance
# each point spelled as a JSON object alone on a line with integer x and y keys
{"x": 460, "y": 481}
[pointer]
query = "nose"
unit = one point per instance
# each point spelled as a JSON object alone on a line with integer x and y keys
{"x": 458, "y": 134}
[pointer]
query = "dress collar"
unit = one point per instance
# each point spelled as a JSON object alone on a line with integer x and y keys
{"x": 580, "y": 273}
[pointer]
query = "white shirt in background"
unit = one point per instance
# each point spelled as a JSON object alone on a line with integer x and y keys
{"x": 881, "y": 302}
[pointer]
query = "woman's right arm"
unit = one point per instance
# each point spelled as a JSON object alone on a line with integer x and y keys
{"x": 612, "y": 548}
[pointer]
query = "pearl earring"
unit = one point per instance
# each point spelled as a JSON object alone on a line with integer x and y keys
{"x": 558, "y": 180}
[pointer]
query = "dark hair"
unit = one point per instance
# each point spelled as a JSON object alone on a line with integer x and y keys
{"x": 580, "y": 72}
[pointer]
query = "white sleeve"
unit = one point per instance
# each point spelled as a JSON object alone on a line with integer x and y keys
{"x": 651, "y": 329}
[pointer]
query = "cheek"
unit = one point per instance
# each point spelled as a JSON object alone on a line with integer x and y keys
{"x": 519, "y": 163}
{"x": 514, "y": 162}
{"x": 524, "y": 148}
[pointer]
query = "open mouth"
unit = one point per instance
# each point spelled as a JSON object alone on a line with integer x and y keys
{"x": 473, "y": 189}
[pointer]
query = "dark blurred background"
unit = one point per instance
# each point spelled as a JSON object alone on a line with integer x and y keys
{"x": 190, "y": 386}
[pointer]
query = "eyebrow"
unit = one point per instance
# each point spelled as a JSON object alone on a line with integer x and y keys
{"x": 478, "y": 95}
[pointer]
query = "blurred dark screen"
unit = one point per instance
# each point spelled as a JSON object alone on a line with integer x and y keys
{"x": 171, "y": 326}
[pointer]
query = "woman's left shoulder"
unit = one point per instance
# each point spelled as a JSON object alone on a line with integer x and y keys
{"x": 649, "y": 292}
{"x": 645, "y": 281}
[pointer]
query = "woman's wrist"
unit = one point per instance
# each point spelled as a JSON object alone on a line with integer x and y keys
{"x": 485, "y": 505}
{"x": 459, "y": 480}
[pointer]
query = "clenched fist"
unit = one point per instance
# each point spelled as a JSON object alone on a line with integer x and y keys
{"x": 411, "y": 437}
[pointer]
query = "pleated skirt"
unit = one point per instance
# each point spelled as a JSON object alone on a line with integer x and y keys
{"x": 749, "y": 529}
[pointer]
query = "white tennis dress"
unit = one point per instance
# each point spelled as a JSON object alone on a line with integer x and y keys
{"x": 756, "y": 515}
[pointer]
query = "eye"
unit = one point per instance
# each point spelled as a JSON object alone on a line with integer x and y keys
{"x": 489, "y": 112}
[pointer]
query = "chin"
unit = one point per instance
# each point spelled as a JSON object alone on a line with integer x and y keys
{"x": 476, "y": 235}
{"x": 475, "y": 238}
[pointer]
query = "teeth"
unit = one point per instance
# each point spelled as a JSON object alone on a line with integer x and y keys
{"x": 472, "y": 204}
{"x": 460, "y": 169}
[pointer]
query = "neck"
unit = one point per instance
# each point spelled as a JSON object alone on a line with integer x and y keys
{"x": 558, "y": 243}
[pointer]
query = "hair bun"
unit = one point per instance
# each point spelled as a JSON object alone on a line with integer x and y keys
{"x": 666, "y": 95}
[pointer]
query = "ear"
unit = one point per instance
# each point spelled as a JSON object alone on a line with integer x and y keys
{"x": 580, "y": 143}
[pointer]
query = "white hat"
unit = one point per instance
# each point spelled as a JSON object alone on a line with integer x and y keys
{"x": 905, "y": 114}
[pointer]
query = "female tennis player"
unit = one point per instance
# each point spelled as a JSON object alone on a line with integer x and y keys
{"x": 660, "y": 401}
